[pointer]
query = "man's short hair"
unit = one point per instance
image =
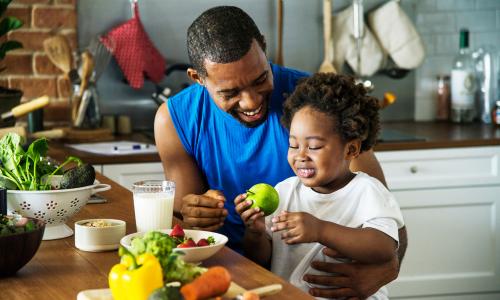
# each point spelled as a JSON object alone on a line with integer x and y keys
{"x": 222, "y": 34}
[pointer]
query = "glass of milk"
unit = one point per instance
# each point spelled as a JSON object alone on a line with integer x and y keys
{"x": 153, "y": 204}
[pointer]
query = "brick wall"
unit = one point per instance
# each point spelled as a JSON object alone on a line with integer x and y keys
{"x": 29, "y": 68}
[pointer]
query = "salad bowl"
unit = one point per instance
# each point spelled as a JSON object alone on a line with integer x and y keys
{"x": 192, "y": 254}
{"x": 54, "y": 207}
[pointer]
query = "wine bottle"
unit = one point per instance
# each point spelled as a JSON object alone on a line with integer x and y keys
{"x": 463, "y": 83}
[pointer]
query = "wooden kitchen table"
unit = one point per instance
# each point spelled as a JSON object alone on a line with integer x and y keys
{"x": 60, "y": 271}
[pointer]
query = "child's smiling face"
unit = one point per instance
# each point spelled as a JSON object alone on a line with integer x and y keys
{"x": 317, "y": 154}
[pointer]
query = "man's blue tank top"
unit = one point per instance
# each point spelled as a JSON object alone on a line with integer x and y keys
{"x": 231, "y": 156}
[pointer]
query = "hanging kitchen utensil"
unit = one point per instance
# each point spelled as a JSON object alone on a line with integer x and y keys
{"x": 101, "y": 54}
{"x": 359, "y": 32}
{"x": 59, "y": 53}
{"x": 135, "y": 53}
{"x": 327, "y": 64}
{"x": 279, "y": 51}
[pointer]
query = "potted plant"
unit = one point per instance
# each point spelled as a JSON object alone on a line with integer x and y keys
{"x": 8, "y": 97}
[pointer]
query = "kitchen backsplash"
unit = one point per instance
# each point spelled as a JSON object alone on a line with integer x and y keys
{"x": 439, "y": 23}
{"x": 166, "y": 21}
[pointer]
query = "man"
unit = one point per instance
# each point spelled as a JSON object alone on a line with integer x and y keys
{"x": 221, "y": 135}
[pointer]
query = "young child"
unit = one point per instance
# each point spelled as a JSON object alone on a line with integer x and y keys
{"x": 331, "y": 121}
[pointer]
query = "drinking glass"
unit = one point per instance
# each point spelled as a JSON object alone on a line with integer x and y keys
{"x": 153, "y": 204}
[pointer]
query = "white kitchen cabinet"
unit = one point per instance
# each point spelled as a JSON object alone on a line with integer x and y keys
{"x": 127, "y": 174}
{"x": 450, "y": 200}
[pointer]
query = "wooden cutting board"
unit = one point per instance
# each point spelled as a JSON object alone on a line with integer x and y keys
{"x": 67, "y": 134}
{"x": 233, "y": 291}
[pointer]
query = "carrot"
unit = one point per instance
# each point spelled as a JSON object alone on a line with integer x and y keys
{"x": 215, "y": 281}
{"x": 250, "y": 296}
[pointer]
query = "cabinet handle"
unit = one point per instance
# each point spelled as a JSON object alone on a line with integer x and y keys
{"x": 413, "y": 169}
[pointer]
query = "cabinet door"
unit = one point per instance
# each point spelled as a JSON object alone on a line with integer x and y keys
{"x": 453, "y": 242}
{"x": 127, "y": 174}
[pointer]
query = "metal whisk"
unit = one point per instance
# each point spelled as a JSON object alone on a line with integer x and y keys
{"x": 102, "y": 56}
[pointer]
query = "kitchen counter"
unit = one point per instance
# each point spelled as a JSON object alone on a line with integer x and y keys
{"x": 401, "y": 136}
{"x": 59, "y": 270}
{"x": 432, "y": 135}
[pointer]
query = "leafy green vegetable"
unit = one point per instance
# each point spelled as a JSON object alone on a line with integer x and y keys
{"x": 23, "y": 170}
{"x": 15, "y": 224}
{"x": 161, "y": 245}
{"x": 166, "y": 293}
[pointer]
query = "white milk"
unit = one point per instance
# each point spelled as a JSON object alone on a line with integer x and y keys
{"x": 153, "y": 210}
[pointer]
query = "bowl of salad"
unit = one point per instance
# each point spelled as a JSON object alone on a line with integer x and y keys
{"x": 191, "y": 245}
{"x": 20, "y": 238}
{"x": 40, "y": 188}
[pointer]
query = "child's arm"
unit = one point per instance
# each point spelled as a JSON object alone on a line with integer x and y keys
{"x": 364, "y": 245}
{"x": 256, "y": 242}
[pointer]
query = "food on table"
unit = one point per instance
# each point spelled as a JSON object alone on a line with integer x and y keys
{"x": 160, "y": 245}
{"x": 214, "y": 282}
{"x": 98, "y": 224}
{"x": 181, "y": 241}
{"x": 81, "y": 175}
{"x": 135, "y": 277}
{"x": 167, "y": 293}
{"x": 15, "y": 224}
{"x": 264, "y": 196}
{"x": 30, "y": 169}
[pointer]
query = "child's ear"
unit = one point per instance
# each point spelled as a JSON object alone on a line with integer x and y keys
{"x": 352, "y": 149}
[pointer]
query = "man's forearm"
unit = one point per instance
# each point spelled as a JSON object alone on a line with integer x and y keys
{"x": 252, "y": 242}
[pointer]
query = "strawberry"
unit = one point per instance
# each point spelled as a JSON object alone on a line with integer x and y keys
{"x": 189, "y": 243}
{"x": 177, "y": 232}
{"x": 202, "y": 242}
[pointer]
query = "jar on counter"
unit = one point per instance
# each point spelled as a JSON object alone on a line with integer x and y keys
{"x": 443, "y": 98}
{"x": 495, "y": 116}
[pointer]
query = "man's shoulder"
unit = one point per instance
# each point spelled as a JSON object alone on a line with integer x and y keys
{"x": 191, "y": 93}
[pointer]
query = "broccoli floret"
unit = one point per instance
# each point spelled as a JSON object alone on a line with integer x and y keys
{"x": 82, "y": 175}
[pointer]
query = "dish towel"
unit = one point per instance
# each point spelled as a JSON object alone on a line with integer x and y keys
{"x": 372, "y": 56}
{"x": 397, "y": 35}
{"x": 135, "y": 53}
{"x": 304, "y": 267}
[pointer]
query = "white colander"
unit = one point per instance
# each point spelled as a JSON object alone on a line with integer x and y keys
{"x": 54, "y": 207}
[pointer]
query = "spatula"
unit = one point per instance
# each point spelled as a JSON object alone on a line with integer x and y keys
{"x": 327, "y": 65}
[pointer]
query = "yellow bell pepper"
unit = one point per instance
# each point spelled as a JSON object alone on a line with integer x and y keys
{"x": 135, "y": 278}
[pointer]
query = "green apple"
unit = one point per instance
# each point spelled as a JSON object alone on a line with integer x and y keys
{"x": 264, "y": 196}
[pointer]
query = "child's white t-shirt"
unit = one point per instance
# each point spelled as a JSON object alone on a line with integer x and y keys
{"x": 363, "y": 202}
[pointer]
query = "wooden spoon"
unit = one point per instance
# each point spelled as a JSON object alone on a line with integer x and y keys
{"x": 59, "y": 52}
{"x": 327, "y": 65}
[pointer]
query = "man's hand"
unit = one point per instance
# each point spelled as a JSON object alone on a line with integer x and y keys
{"x": 353, "y": 280}
{"x": 296, "y": 227}
{"x": 205, "y": 212}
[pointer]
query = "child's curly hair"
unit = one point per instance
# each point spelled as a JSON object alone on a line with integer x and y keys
{"x": 354, "y": 113}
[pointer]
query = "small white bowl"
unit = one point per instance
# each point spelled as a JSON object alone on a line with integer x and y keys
{"x": 95, "y": 239}
{"x": 193, "y": 254}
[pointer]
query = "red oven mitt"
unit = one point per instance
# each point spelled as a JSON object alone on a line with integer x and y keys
{"x": 135, "y": 53}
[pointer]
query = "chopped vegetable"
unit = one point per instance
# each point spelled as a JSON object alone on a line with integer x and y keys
{"x": 161, "y": 245}
{"x": 166, "y": 293}
{"x": 135, "y": 277}
{"x": 214, "y": 282}
{"x": 15, "y": 224}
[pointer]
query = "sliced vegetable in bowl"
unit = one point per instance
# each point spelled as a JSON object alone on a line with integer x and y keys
{"x": 140, "y": 241}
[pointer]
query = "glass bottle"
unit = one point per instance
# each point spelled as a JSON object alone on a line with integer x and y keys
{"x": 443, "y": 98}
{"x": 463, "y": 83}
